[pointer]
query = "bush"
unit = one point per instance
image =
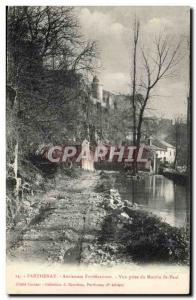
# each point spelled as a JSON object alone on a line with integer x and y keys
{"x": 146, "y": 238}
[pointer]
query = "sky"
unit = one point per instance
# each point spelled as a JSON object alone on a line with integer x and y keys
{"x": 112, "y": 28}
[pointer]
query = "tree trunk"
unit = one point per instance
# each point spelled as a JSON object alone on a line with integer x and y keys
{"x": 136, "y": 37}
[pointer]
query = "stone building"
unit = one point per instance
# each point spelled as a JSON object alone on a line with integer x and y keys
{"x": 164, "y": 151}
{"x": 102, "y": 97}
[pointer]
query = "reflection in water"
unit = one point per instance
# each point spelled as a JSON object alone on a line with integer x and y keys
{"x": 158, "y": 195}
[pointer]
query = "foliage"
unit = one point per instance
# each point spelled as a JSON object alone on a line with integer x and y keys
{"x": 47, "y": 59}
{"x": 146, "y": 238}
{"x": 45, "y": 34}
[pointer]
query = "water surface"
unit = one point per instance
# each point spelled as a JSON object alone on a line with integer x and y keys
{"x": 158, "y": 195}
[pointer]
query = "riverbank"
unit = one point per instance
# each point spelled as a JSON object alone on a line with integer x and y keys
{"x": 132, "y": 234}
{"x": 84, "y": 221}
{"x": 177, "y": 177}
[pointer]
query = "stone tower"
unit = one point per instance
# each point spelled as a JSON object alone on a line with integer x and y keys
{"x": 97, "y": 89}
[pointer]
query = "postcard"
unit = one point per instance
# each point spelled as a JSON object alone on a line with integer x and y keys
{"x": 98, "y": 130}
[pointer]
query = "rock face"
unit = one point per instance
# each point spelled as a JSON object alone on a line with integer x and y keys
{"x": 114, "y": 199}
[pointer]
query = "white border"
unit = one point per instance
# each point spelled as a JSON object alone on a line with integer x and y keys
{"x": 191, "y": 3}
{"x": 101, "y": 2}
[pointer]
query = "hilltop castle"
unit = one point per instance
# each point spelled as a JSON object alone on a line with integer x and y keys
{"x": 101, "y": 97}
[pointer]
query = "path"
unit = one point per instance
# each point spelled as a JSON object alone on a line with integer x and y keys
{"x": 69, "y": 226}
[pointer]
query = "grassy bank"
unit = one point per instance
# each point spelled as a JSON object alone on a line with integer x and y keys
{"x": 132, "y": 234}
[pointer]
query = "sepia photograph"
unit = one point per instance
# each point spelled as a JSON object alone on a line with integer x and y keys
{"x": 98, "y": 149}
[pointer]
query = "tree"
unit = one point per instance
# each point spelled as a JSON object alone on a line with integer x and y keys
{"x": 50, "y": 34}
{"x": 157, "y": 65}
{"x": 133, "y": 97}
{"x": 45, "y": 104}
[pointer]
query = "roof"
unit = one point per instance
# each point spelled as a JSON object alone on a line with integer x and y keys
{"x": 155, "y": 148}
{"x": 167, "y": 144}
{"x": 161, "y": 144}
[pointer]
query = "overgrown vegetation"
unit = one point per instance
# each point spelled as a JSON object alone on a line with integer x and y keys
{"x": 48, "y": 62}
{"x": 131, "y": 234}
{"x": 145, "y": 238}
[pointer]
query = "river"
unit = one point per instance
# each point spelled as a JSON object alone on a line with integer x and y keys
{"x": 157, "y": 195}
